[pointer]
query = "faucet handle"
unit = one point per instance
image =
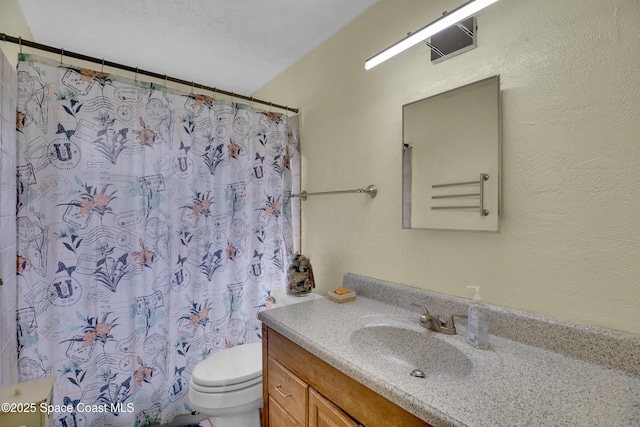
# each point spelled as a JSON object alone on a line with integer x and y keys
{"x": 427, "y": 320}
{"x": 425, "y": 316}
{"x": 450, "y": 324}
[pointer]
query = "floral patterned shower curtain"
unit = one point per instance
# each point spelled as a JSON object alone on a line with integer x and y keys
{"x": 152, "y": 225}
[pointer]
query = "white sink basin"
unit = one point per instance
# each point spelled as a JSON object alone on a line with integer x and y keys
{"x": 401, "y": 346}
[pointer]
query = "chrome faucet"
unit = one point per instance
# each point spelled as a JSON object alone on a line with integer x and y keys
{"x": 434, "y": 323}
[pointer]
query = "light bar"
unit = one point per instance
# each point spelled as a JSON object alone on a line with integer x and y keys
{"x": 466, "y": 10}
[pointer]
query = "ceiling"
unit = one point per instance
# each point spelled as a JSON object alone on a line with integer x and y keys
{"x": 234, "y": 45}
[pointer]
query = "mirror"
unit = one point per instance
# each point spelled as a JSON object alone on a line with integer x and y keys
{"x": 451, "y": 159}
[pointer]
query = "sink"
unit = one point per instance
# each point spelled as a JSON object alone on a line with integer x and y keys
{"x": 400, "y": 347}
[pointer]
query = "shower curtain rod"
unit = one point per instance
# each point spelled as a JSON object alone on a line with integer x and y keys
{"x": 19, "y": 40}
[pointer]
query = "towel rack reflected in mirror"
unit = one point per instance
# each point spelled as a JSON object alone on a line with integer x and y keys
{"x": 479, "y": 195}
{"x": 371, "y": 190}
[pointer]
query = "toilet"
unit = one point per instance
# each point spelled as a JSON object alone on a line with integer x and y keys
{"x": 228, "y": 384}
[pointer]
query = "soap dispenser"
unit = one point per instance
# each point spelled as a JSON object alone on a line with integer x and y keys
{"x": 477, "y": 323}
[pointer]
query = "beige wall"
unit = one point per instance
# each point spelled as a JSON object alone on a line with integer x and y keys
{"x": 569, "y": 246}
{"x": 12, "y": 23}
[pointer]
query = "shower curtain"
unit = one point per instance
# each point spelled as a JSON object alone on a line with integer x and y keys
{"x": 152, "y": 225}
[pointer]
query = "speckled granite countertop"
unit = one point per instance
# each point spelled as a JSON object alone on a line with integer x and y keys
{"x": 511, "y": 384}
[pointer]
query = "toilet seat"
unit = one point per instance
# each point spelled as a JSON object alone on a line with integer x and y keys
{"x": 225, "y": 402}
{"x": 225, "y": 388}
{"x": 229, "y": 369}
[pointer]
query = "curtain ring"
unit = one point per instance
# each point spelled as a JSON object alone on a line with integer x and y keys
{"x": 165, "y": 82}
{"x": 135, "y": 77}
{"x": 19, "y": 40}
{"x": 213, "y": 93}
{"x": 192, "y": 84}
{"x": 233, "y": 95}
{"x": 102, "y": 68}
{"x": 61, "y": 55}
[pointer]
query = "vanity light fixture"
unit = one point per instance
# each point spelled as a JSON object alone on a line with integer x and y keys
{"x": 447, "y": 20}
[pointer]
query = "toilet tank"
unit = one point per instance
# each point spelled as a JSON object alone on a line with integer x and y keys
{"x": 280, "y": 298}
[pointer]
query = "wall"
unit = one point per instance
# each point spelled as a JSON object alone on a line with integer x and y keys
{"x": 12, "y": 23}
{"x": 569, "y": 243}
{"x": 8, "y": 294}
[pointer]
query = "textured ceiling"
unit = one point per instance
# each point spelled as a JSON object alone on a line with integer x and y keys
{"x": 235, "y": 45}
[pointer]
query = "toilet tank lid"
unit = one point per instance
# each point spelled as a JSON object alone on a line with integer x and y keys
{"x": 230, "y": 366}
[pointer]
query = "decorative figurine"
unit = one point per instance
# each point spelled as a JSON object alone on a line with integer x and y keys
{"x": 300, "y": 276}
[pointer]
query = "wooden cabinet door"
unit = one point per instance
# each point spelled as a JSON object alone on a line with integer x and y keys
{"x": 323, "y": 413}
{"x": 278, "y": 417}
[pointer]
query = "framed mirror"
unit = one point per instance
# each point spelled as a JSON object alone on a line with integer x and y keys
{"x": 451, "y": 159}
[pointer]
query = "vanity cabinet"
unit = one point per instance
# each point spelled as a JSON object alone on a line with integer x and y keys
{"x": 300, "y": 389}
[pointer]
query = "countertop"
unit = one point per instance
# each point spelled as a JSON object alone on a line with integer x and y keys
{"x": 512, "y": 384}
